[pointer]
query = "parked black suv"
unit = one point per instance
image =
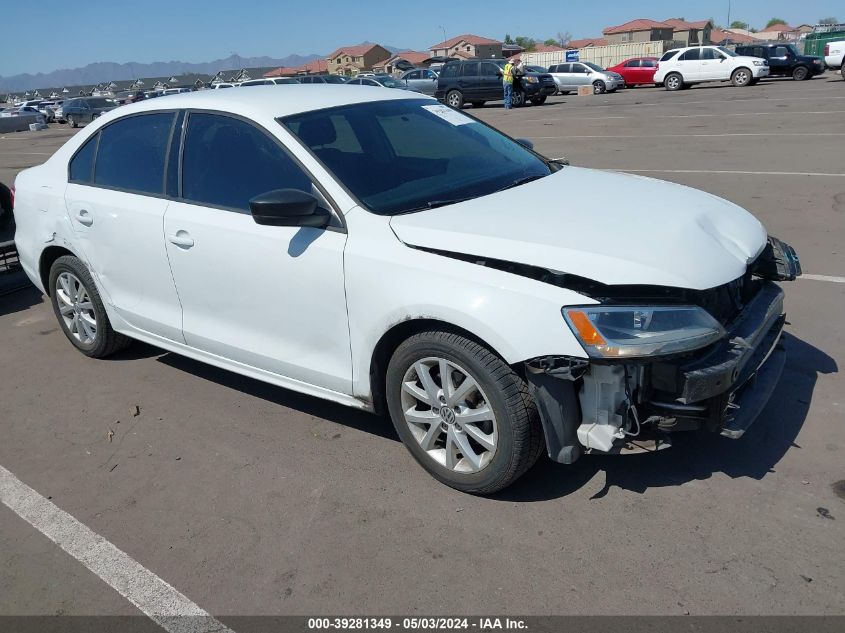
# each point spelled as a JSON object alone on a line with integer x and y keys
{"x": 85, "y": 109}
{"x": 784, "y": 60}
{"x": 479, "y": 81}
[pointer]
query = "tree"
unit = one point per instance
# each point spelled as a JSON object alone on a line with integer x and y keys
{"x": 563, "y": 38}
{"x": 774, "y": 21}
{"x": 551, "y": 42}
{"x": 739, "y": 24}
{"x": 527, "y": 43}
{"x": 830, "y": 20}
{"x": 508, "y": 38}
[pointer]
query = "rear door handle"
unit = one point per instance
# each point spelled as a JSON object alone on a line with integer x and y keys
{"x": 181, "y": 239}
{"x": 83, "y": 217}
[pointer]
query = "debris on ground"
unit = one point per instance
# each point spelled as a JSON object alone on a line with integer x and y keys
{"x": 111, "y": 435}
{"x": 135, "y": 411}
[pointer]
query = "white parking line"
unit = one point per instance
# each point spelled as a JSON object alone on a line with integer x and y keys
{"x": 153, "y": 596}
{"x": 692, "y": 135}
{"x": 719, "y": 171}
{"x": 686, "y": 116}
{"x": 836, "y": 280}
{"x": 681, "y": 102}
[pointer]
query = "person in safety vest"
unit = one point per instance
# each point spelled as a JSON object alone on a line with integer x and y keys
{"x": 507, "y": 84}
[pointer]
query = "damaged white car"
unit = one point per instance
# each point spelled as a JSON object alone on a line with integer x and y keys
{"x": 378, "y": 249}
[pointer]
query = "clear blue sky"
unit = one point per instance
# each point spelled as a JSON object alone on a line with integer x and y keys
{"x": 45, "y": 35}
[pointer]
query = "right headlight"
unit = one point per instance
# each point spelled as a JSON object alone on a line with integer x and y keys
{"x": 642, "y": 331}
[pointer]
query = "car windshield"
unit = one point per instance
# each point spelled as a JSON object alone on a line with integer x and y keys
{"x": 413, "y": 154}
{"x": 334, "y": 79}
{"x": 794, "y": 50}
{"x": 389, "y": 82}
{"x": 595, "y": 67}
{"x": 727, "y": 51}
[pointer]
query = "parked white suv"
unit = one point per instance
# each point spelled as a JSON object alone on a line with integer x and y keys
{"x": 680, "y": 68}
{"x": 245, "y": 229}
{"x": 834, "y": 52}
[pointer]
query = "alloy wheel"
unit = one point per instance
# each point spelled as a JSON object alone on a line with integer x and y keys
{"x": 742, "y": 78}
{"x": 449, "y": 415}
{"x": 76, "y": 308}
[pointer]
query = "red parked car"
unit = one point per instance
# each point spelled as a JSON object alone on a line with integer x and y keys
{"x": 637, "y": 71}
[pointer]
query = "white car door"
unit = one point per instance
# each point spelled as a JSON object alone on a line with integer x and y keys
{"x": 116, "y": 205}
{"x": 270, "y": 297}
{"x": 689, "y": 64}
{"x": 713, "y": 65}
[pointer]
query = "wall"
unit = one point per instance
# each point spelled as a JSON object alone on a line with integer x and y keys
{"x": 602, "y": 55}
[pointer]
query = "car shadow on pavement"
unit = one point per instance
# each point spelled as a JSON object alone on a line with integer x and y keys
{"x": 17, "y": 300}
{"x": 310, "y": 405}
{"x": 696, "y": 456}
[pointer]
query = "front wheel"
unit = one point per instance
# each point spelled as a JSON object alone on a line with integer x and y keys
{"x": 79, "y": 309}
{"x": 538, "y": 101}
{"x": 462, "y": 412}
{"x": 518, "y": 99}
{"x": 801, "y": 73}
{"x": 599, "y": 87}
{"x": 741, "y": 77}
{"x": 455, "y": 99}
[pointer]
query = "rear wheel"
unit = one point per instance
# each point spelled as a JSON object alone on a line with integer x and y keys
{"x": 538, "y": 100}
{"x": 455, "y": 99}
{"x": 71, "y": 121}
{"x": 741, "y": 77}
{"x": 462, "y": 412}
{"x": 79, "y": 309}
{"x": 674, "y": 81}
{"x": 801, "y": 73}
{"x": 599, "y": 87}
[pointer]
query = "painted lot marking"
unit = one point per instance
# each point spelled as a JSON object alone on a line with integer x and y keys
{"x": 153, "y": 596}
{"x": 687, "y": 116}
{"x": 717, "y": 171}
{"x": 836, "y": 280}
{"x": 680, "y": 102}
{"x": 692, "y": 135}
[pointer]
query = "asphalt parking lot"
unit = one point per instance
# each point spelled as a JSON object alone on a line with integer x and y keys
{"x": 250, "y": 499}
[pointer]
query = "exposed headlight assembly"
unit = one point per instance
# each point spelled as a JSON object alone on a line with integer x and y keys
{"x": 642, "y": 331}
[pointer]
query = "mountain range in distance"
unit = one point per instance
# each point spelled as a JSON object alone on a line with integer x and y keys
{"x": 111, "y": 71}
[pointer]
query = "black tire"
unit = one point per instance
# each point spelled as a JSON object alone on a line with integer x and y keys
{"x": 455, "y": 99}
{"x": 842, "y": 71}
{"x": 538, "y": 101}
{"x": 520, "y": 435}
{"x": 673, "y": 82}
{"x": 6, "y": 216}
{"x": 106, "y": 340}
{"x": 478, "y": 104}
{"x": 741, "y": 77}
{"x": 599, "y": 87}
{"x": 801, "y": 73}
{"x": 518, "y": 99}
{"x": 71, "y": 121}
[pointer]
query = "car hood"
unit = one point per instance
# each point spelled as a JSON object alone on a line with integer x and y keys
{"x": 609, "y": 227}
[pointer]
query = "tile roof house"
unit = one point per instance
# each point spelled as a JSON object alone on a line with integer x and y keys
{"x": 779, "y": 32}
{"x": 315, "y": 67}
{"x": 690, "y": 33}
{"x": 469, "y": 46}
{"x": 731, "y": 36}
{"x": 350, "y": 60}
{"x": 639, "y": 30}
{"x": 403, "y": 61}
{"x": 587, "y": 42}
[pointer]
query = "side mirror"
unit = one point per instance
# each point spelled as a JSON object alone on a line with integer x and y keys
{"x": 526, "y": 143}
{"x": 288, "y": 207}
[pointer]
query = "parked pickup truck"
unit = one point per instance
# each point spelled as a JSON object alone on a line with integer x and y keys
{"x": 833, "y": 54}
{"x": 784, "y": 60}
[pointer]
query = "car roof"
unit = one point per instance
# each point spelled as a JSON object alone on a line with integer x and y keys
{"x": 270, "y": 102}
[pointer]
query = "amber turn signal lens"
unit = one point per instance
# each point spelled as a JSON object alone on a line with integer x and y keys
{"x": 589, "y": 334}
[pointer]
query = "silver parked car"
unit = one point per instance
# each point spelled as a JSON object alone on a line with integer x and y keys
{"x": 423, "y": 79}
{"x": 570, "y": 77}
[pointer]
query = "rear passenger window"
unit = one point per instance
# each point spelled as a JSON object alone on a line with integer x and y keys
{"x": 226, "y": 162}
{"x": 633, "y": 63}
{"x": 470, "y": 69}
{"x": 449, "y": 70}
{"x": 669, "y": 55}
{"x": 690, "y": 56}
{"x": 82, "y": 164}
{"x": 132, "y": 151}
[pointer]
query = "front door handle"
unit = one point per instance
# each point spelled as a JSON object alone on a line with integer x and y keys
{"x": 182, "y": 239}
{"x": 83, "y": 217}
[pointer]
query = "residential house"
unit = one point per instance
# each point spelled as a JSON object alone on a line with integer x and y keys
{"x": 315, "y": 67}
{"x": 639, "y": 30}
{"x": 587, "y": 42}
{"x": 350, "y": 60}
{"x": 403, "y": 61}
{"x": 468, "y": 46}
{"x": 731, "y": 36}
{"x": 777, "y": 32}
{"x": 690, "y": 33}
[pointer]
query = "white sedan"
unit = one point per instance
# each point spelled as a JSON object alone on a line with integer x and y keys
{"x": 378, "y": 249}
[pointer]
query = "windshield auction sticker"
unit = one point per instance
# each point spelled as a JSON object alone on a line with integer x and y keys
{"x": 448, "y": 114}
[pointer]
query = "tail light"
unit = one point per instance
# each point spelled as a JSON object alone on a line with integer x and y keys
{"x": 826, "y": 50}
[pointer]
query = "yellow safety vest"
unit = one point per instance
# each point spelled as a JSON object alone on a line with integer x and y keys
{"x": 507, "y": 76}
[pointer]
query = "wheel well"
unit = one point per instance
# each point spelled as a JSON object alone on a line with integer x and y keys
{"x": 50, "y": 255}
{"x": 392, "y": 339}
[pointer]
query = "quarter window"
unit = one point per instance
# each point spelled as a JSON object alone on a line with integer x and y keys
{"x": 226, "y": 162}
{"x": 131, "y": 154}
{"x": 82, "y": 164}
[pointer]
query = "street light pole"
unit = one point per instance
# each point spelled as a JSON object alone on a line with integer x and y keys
{"x": 729, "y": 14}
{"x": 443, "y": 28}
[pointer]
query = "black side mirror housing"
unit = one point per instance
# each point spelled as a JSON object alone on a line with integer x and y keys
{"x": 289, "y": 207}
{"x": 526, "y": 143}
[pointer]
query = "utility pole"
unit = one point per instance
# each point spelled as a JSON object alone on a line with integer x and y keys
{"x": 728, "y": 25}
{"x": 443, "y": 28}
